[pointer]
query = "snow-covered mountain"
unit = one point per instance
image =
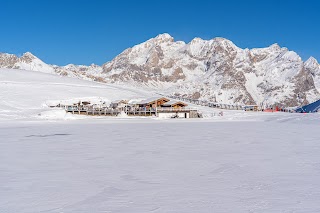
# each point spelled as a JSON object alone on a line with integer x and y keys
{"x": 215, "y": 70}
{"x": 28, "y": 61}
{"x": 218, "y": 70}
{"x": 313, "y": 67}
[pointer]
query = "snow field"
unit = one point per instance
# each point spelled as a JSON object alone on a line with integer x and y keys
{"x": 152, "y": 166}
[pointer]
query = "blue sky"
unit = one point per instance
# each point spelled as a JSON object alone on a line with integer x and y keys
{"x": 92, "y": 31}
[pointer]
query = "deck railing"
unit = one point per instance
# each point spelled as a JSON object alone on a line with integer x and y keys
{"x": 172, "y": 109}
{"x": 208, "y": 103}
{"x": 96, "y": 110}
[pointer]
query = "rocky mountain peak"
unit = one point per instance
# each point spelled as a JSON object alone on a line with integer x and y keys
{"x": 274, "y": 47}
{"x": 162, "y": 38}
{"x": 312, "y": 63}
{"x": 28, "y": 54}
{"x": 312, "y": 66}
{"x": 27, "y": 57}
{"x": 196, "y": 40}
{"x": 223, "y": 41}
{"x": 8, "y": 60}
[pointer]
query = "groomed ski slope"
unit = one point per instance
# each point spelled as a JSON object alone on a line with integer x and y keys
{"x": 24, "y": 93}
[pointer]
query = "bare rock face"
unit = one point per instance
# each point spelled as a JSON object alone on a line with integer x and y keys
{"x": 28, "y": 61}
{"x": 8, "y": 60}
{"x": 92, "y": 72}
{"x": 147, "y": 63}
{"x": 214, "y": 70}
{"x": 312, "y": 66}
{"x": 27, "y": 58}
{"x": 196, "y": 95}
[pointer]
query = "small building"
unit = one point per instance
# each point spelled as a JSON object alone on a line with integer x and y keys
{"x": 251, "y": 108}
{"x": 118, "y": 104}
{"x": 176, "y": 109}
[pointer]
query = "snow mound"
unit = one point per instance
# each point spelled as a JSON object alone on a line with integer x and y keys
{"x": 56, "y": 114}
{"x": 122, "y": 114}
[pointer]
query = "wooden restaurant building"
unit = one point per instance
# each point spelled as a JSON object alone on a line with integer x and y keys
{"x": 165, "y": 108}
{"x": 157, "y": 106}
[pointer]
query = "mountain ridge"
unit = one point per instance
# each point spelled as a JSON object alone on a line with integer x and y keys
{"x": 215, "y": 70}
